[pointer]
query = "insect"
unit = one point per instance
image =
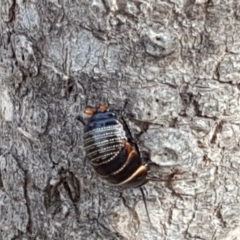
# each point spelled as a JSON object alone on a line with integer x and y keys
{"x": 112, "y": 151}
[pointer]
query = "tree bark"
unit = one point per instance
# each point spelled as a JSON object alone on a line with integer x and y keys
{"x": 178, "y": 64}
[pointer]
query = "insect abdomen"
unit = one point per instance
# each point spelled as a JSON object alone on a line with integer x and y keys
{"x": 103, "y": 140}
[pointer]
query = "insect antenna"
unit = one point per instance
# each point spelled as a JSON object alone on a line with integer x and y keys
{"x": 145, "y": 204}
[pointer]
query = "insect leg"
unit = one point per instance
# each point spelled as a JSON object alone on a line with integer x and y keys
{"x": 80, "y": 119}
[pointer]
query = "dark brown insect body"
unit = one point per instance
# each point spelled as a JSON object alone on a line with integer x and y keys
{"x": 111, "y": 150}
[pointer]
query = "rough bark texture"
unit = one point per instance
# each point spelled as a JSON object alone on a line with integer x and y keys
{"x": 178, "y": 64}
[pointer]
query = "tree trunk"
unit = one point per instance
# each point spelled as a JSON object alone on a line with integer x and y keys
{"x": 178, "y": 64}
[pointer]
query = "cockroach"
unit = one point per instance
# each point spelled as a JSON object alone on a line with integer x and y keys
{"x": 113, "y": 152}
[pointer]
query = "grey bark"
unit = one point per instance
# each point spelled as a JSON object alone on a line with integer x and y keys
{"x": 178, "y": 64}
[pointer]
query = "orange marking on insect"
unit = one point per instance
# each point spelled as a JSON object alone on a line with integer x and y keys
{"x": 90, "y": 111}
{"x": 103, "y": 108}
{"x": 132, "y": 154}
{"x": 140, "y": 171}
{"x": 128, "y": 147}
